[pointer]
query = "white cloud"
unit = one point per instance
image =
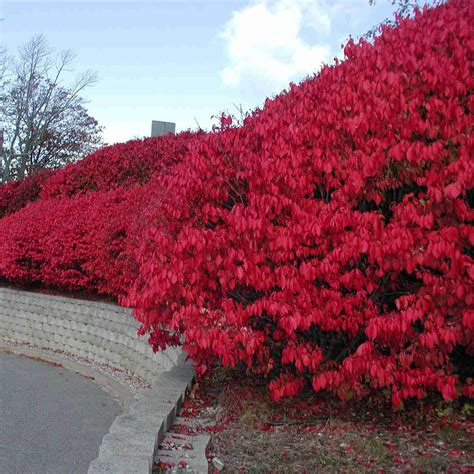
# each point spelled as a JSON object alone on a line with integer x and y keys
{"x": 265, "y": 42}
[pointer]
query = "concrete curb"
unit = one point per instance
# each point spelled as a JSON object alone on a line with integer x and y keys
{"x": 129, "y": 446}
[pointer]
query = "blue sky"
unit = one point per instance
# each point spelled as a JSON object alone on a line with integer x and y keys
{"x": 185, "y": 61}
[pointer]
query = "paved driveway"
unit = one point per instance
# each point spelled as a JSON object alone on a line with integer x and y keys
{"x": 52, "y": 421}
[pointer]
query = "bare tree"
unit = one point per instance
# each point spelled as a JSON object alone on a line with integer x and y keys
{"x": 46, "y": 124}
{"x": 4, "y": 66}
{"x": 4, "y": 63}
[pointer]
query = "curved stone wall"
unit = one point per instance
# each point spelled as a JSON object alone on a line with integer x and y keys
{"x": 102, "y": 332}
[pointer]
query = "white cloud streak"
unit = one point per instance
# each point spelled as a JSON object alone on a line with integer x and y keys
{"x": 266, "y": 45}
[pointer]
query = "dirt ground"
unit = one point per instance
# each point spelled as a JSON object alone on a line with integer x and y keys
{"x": 317, "y": 434}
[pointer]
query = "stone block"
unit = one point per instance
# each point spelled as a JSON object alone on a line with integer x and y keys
{"x": 131, "y": 424}
{"x": 142, "y": 444}
{"x": 120, "y": 465}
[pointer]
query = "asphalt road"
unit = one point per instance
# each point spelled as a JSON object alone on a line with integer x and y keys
{"x": 52, "y": 421}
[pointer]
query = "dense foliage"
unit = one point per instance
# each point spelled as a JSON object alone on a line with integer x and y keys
{"x": 82, "y": 243}
{"x": 326, "y": 243}
{"x": 120, "y": 165}
{"x": 84, "y": 229}
{"x": 15, "y": 195}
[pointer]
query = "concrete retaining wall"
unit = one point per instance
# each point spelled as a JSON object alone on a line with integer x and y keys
{"x": 106, "y": 333}
{"x": 102, "y": 332}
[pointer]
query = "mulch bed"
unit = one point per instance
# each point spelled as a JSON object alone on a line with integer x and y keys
{"x": 319, "y": 434}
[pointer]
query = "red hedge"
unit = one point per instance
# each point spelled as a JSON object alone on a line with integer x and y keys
{"x": 17, "y": 194}
{"x": 120, "y": 165}
{"x": 82, "y": 243}
{"x": 326, "y": 243}
{"x": 86, "y": 242}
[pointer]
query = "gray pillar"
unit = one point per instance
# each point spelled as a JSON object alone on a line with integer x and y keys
{"x": 159, "y": 128}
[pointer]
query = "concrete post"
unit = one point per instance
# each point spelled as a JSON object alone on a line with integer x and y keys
{"x": 159, "y": 128}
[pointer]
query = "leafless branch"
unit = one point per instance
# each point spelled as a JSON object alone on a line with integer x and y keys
{"x": 39, "y": 110}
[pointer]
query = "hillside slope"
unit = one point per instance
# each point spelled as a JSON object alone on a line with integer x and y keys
{"x": 326, "y": 243}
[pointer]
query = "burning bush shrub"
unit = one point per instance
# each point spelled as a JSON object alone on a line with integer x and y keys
{"x": 328, "y": 241}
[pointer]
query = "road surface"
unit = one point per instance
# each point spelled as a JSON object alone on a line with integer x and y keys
{"x": 52, "y": 421}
